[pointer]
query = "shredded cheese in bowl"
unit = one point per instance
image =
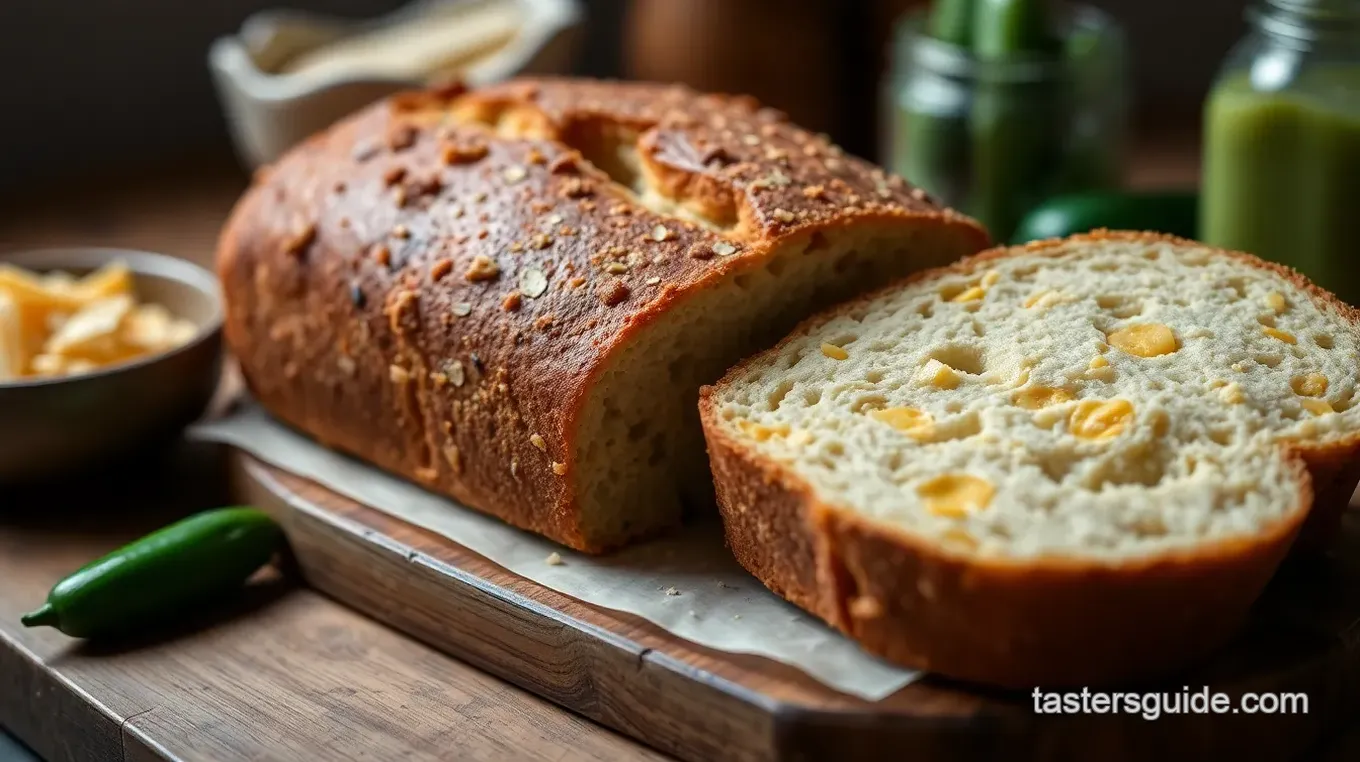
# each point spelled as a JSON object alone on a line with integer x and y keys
{"x": 56, "y": 324}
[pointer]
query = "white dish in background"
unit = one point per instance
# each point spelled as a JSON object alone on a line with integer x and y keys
{"x": 289, "y": 74}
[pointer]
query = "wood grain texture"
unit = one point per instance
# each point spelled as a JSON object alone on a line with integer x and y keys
{"x": 701, "y": 704}
{"x": 281, "y": 673}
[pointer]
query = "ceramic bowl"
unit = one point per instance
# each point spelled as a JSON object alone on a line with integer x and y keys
{"x": 54, "y": 426}
{"x": 268, "y": 112}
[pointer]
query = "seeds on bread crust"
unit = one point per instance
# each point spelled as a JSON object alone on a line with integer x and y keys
{"x": 507, "y": 186}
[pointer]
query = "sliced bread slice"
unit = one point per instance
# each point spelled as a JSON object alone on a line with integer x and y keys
{"x": 1076, "y": 462}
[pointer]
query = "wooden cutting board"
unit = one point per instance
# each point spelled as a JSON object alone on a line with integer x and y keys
{"x": 701, "y": 705}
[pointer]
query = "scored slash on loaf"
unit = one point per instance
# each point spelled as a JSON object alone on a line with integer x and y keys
{"x": 513, "y": 295}
{"x": 1072, "y": 463}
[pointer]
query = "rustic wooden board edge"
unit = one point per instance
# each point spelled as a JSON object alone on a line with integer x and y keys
{"x": 746, "y": 723}
{"x": 81, "y": 728}
{"x": 487, "y": 617}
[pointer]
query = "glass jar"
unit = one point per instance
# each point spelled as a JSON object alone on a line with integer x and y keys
{"x": 1281, "y": 175}
{"x": 995, "y": 137}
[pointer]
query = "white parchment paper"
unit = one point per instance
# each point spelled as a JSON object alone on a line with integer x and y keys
{"x": 687, "y": 584}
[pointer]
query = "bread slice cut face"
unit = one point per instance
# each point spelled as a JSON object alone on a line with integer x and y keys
{"x": 1069, "y": 463}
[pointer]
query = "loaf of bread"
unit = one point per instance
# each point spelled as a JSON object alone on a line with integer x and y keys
{"x": 1073, "y": 463}
{"x": 512, "y": 296}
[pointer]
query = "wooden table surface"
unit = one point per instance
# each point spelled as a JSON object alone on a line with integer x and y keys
{"x": 287, "y": 673}
{"x": 284, "y": 674}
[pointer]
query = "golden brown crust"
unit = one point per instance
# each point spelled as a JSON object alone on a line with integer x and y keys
{"x": 433, "y": 283}
{"x": 1009, "y": 622}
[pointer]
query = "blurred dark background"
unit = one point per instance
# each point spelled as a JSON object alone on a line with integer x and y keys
{"x": 104, "y": 83}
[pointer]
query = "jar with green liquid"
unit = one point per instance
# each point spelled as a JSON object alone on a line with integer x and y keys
{"x": 1282, "y": 142}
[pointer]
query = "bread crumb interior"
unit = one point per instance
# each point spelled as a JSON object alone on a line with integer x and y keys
{"x": 1116, "y": 399}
